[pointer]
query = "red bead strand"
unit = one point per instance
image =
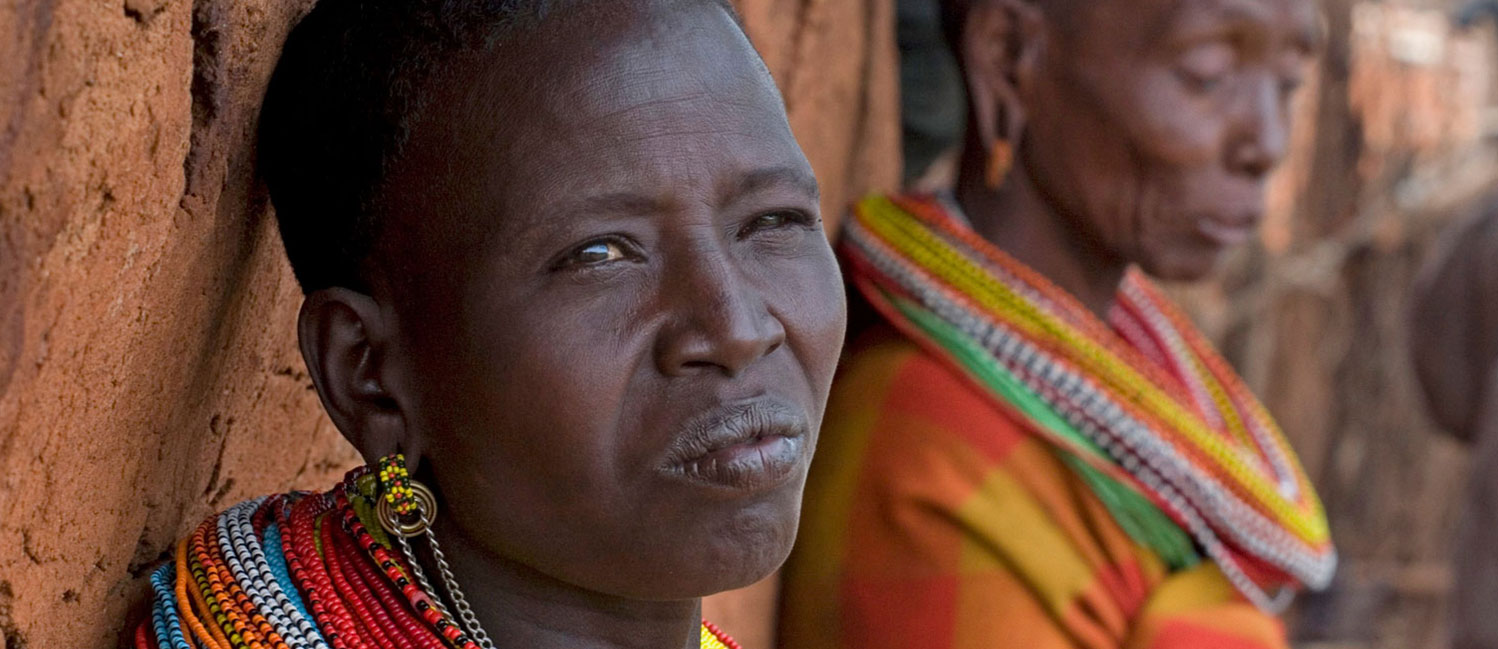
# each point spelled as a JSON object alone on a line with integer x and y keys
{"x": 721, "y": 636}
{"x": 307, "y": 567}
{"x": 399, "y": 611}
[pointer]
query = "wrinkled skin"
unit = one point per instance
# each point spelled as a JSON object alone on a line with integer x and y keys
{"x": 1144, "y": 130}
{"x": 600, "y": 233}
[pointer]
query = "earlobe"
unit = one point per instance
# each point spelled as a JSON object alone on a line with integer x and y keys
{"x": 1029, "y": 26}
{"x": 343, "y": 338}
{"x": 982, "y": 52}
{"x": 1001, "y": 41}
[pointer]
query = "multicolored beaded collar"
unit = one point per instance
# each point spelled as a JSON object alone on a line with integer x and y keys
{"x": 1152, "y": 418}
{"x": 303, "y": 571}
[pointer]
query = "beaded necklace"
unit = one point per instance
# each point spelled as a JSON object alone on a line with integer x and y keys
{"x": 303, "y": 571}
{"x": 1151, "y": 417}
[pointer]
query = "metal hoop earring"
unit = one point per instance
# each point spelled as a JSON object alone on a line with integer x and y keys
{"x": 399, "y": 499}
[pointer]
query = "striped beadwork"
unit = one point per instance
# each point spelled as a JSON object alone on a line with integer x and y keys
{"x": 1143, "y": 397}
{"x": 303, "y": 571}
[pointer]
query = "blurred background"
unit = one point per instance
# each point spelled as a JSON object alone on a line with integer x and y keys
{"x": 146, "y": 348}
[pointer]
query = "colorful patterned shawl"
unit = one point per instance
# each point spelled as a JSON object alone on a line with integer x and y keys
{"x": 1159, "y": 420}
{"x": 1012, "y": 471}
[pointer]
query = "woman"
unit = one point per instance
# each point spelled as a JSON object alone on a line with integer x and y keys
{"x": 1033, "y": 448}
{"x": 567, "y": 292}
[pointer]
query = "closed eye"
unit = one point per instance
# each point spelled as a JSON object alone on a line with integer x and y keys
{"x": 1205, "y": 65}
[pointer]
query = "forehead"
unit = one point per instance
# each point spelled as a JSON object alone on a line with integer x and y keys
{"x": 691, "y": 78}
{"x": 1296, "y": 23}
{"x": 667, "y": 97}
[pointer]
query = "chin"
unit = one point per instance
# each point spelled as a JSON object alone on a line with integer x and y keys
{"x": 740, "y": 551}
{"x": 1184, "y": 267}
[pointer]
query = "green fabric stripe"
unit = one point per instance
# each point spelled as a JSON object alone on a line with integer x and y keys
{"x": 1139, "y": 518}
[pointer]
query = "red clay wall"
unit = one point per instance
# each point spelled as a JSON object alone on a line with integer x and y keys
{"x": 147, "y": 368}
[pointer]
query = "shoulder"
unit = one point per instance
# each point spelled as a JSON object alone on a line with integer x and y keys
{"x": 893, "y": 391}
{"x": 906, "y": 432}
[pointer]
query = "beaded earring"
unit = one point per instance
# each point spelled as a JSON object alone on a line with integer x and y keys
{"x": 406, "y": 509}
{"x": 401, "y": 497}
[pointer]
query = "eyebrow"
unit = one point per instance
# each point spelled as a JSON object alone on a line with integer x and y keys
{"x": 626, "y": 203}
{"x": 766, "y": 177}
{"x": 1309, "y": 36}
{"x": 1241, "y": 10}
{"x": 633, "y": 203}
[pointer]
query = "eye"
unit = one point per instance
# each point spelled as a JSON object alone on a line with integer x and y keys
{"x": 1206, "y": 65}
{"x": 1288, "y": 85}
{"x": 593, "y": 253}
{"x": 775, "y": 221}
{"x": 1292, "y": 73}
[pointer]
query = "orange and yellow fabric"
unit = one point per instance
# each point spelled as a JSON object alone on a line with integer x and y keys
{"x": 998, "y": 468}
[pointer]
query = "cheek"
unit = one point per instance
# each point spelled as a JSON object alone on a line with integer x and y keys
{"x": 1086, "y": 160}
{"x": 1141, "y": 198}
{"x": 499, "y": 424}
{"x": 808, "y": 297}
{"x": 1169, "y": 126}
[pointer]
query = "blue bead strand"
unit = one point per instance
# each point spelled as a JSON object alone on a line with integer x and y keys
{"x": 276, "y": 557}
{"x": 164, "y": 618}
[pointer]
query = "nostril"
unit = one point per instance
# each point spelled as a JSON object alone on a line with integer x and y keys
{"x": 1253, "y": 161}
{"x": 1259, "y": 168}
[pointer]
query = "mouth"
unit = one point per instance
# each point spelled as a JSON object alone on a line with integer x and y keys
{"x": 1228, "y": 231}
{"x": 749, "y": 446}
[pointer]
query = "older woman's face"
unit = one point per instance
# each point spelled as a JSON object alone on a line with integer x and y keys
{"x": 621, "y": 315}
{"x": 1155, "y": 123}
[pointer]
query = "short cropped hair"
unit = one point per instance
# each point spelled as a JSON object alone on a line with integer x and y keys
{"x": 954, "y": 15}
{"x": 351, "y": 82}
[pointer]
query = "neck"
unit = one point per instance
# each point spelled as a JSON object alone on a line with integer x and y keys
{"x": 520, "y": 607}
{"x": 1023, "y": 222}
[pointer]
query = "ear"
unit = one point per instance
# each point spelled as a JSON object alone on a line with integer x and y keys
{"x": 1001, "y": 45}
{"x": 345, "y": 340}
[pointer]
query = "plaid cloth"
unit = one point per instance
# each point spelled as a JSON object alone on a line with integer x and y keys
{"x": 935, "y": 520}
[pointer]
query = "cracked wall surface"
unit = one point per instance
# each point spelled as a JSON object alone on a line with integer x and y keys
{"x": 148, "y": 374}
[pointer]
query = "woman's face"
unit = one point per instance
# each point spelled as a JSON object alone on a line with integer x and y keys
{"x": 1155, "y": 123}
{"x": 618, "y": 313}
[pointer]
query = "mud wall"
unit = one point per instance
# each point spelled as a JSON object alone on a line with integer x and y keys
{"x": 148, "y": 374}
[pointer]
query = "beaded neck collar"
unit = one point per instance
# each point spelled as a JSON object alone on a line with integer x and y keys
{"x": 304, "y": 571}
{"x": 1154, "y": 418}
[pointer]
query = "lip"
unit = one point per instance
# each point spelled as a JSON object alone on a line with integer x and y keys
{"x": 1228, "y": 232}
{"x": 748, "y": 446}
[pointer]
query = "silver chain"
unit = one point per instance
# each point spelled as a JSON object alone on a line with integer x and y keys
{"x": 421, "y": 576}
{"x": 465, "y": 615}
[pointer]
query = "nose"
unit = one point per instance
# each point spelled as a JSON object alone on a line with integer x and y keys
{"x": 721, "y": 322}
{"x": 1263, "y": 135}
